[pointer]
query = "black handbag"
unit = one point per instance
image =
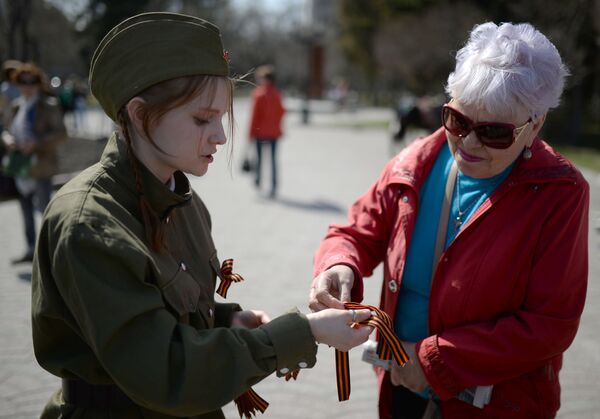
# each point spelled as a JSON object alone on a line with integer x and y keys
{"x": 247, "y": 165}
{"x": 8, "y": 189}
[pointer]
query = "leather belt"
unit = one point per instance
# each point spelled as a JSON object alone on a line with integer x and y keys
{"x": 81, "y": 394}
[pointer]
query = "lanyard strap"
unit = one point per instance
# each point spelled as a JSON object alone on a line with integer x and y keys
{"x": 444, "y": 215}
{"x": 389, "y": 346}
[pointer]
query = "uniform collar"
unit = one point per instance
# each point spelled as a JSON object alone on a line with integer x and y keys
{"x": 116, "y": 160}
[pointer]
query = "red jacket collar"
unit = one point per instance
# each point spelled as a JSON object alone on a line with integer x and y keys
{"x": 412, "y": 165}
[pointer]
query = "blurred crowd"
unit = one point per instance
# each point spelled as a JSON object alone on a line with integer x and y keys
{"x": 33, "y": 112}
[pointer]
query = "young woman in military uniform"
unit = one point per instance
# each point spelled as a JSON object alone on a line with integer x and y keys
{"x": 125, "y": 267}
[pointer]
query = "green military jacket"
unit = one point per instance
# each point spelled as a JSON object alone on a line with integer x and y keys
{"x": 108, "y": 310}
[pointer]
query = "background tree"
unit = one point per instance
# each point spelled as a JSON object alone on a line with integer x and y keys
{"x": 359, "y": 23}
{"x": 18, "y": 14}
{"x": 37, "y": 31}
{"x": 99, "y": 17}
{"x": 410, "y": 45}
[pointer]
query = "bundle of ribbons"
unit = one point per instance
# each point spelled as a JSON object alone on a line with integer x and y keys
{"x": 389, "y": 346}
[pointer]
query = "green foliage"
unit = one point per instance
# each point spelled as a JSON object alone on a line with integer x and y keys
{"x": 581, "y": 157}
{"x": 396, "y": 7}
{"x": 358, "y": 24}
{"x": 102, "y": 16}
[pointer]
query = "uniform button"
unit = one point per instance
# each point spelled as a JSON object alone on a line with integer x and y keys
{"x": 192, "y": 306}
{"x": 284, "y": 370}
{"x": 405, "y": 199}
{"x": 183, "y": 267}
{"x": 210, "y": 312}
{"x": 392, "y": 285}
{"x": 168, "y": 220}
{"x": 302, "y": 364}
{"x": 446, "y": 259}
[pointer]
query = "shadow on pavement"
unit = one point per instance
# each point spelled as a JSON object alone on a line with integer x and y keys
{"x": 315, "y": 205}
{"x": 25, "y": 276}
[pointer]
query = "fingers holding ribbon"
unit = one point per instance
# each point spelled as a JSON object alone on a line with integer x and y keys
{"x": 354, "y": 325}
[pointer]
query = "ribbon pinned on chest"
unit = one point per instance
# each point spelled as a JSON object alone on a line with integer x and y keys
{"x": 389, "y": 346}
{"x": 227, "y": 277}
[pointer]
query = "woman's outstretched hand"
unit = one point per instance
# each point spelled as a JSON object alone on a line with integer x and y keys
{"x": 331, "y": 288}
{"x": 410, "y": 375}
{"x": 333, "y": 327}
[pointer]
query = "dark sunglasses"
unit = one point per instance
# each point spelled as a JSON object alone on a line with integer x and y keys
{"x": 28, "y": 81}
{"x": 498, "y": 135}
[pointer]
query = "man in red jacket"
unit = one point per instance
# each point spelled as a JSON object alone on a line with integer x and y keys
{"x": 265, "y": 123}
{"x": 482, "y": 228}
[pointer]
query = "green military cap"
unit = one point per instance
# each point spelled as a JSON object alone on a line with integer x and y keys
{"x": 150, "y": 48}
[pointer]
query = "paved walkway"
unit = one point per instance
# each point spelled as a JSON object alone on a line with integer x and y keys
{"x": 323, "y": 168}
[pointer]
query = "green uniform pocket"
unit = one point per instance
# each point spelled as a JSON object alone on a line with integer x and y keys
{"x": 182, "y": 293}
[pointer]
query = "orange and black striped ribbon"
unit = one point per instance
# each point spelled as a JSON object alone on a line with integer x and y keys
{"x": 227, "y": 277}
{"x": 389, "y": 346}
{"x": 249, "y": 403}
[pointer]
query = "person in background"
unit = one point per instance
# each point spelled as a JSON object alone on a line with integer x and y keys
{"x": 125, "y": 272}
{"x": 8, "y": 93}
{"x": 33, "y": 129}
{"x": 80, "y": 105}
{"x": 483, "y": 231}
{"x": 8, "y": 90}
{"x": 265, "y": 122}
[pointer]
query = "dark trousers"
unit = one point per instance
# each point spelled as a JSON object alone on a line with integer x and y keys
{"x": 266, "y": 142}
{"x": 38, "y": 199}
{"x": 407, "y": 405}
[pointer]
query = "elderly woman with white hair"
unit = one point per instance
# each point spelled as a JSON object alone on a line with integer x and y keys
{"x": 482, "y": 229}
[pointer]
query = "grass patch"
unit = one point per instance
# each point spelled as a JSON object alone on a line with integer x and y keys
{"x": 375, "y": 124}
{"x": 581, "y": 157}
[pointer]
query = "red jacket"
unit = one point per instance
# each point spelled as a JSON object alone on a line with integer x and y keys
{"x": 267, "y": 113}
{"x": 508, "y": 292}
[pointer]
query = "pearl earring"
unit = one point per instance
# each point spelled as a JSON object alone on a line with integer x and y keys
{"x": 527, "y": 153}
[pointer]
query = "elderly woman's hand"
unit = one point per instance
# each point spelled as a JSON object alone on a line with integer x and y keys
{"x": 331, "y": 289}
{"x": 411, "y": 374}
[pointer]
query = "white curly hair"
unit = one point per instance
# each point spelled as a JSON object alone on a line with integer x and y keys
{"x": 502, "y": 67}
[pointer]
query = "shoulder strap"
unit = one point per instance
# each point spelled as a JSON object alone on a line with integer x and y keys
{"x": 444, "y": 214}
